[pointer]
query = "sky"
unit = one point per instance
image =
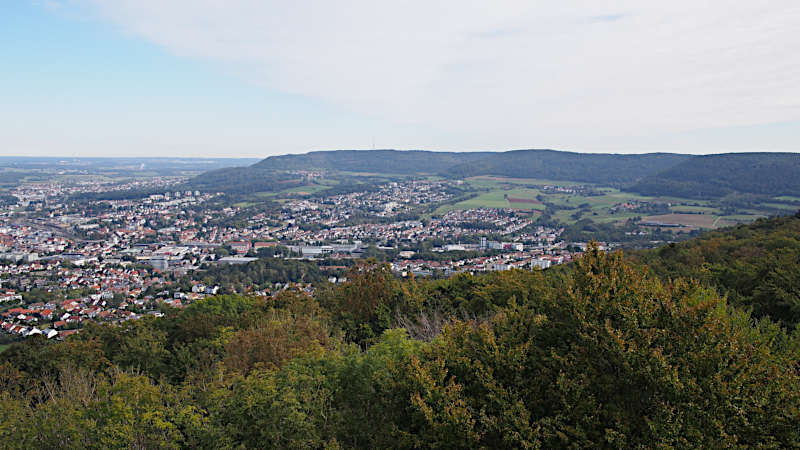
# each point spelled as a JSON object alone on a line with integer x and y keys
{"x": 253, "y": 78}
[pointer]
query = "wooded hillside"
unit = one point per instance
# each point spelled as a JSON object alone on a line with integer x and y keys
{"x": 712, "y": 176}
{"x": 756, "y": 266}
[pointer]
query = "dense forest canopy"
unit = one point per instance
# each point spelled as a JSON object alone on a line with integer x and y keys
{"x": 557, "y": 165}
{"x": 757, "y": 266}
{"x": 713, "y": 176}
{"x": 259, "y": 274}
{"x": 603, "y": 353}
{"x": 243, "y": 180}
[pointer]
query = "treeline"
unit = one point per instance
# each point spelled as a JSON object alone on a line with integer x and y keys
{"x": 262, "y": 273}
{"x": 10, "y": 178}
{"x": 596, "y": 355}
{"x": 607, "y": 169}
{"x": 585, "y": 230}
{"x": 757, "y": 266}
{"x": 408, "y": 162}
{"x": 243, "y": 180}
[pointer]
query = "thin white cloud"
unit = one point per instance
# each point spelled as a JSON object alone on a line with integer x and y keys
{"x": 540, "y": 71}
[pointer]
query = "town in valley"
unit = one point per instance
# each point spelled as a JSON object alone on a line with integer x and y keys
{"x": 110, "y": 241}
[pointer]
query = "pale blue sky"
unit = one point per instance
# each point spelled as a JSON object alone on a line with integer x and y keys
{"x": 244, "y": 78}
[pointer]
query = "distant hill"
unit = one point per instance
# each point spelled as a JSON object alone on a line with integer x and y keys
{"x": 402, "y": 162}
{"x": 243, "y": 180}
{"x": 657, "y": 174}
{"x": 550, "y": 164}
{"x": 720, "y": 175}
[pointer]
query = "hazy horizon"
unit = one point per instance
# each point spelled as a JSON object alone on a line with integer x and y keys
{"x": 302, "y": 152}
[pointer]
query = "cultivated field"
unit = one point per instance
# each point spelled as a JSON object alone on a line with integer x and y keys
{"x": 499, "y": 198}
{"x": 689, "y": 220}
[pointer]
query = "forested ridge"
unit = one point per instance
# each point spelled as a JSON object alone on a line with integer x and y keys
{"x": 545, "y": 164}
{"x": 601, "y": 168}
{"x": 713, "y": 176}
{"x": 406, "y": 162}
{"x": 243, "y": 180}
{"x": 656, "y": 174}
{"x": 602, "y": 354}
